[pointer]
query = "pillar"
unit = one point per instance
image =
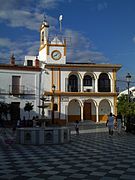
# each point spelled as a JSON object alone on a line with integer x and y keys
{"x": 81, "y": 113}
{"x": 96, "y": 85}
{"x": 97, "y": 115}
{"x": 81, "y": 85}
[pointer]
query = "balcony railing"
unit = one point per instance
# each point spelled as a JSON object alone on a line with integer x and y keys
{"x": 88, "y": 89}
{"x": 20, "y": 90}
{"x": 78, "y": 89}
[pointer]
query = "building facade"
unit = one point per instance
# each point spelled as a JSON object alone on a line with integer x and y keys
{"x": 18, "y": 85}
{"x": 65, "y": 91}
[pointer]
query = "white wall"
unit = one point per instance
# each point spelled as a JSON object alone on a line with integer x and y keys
{"x": 30, "y": 80}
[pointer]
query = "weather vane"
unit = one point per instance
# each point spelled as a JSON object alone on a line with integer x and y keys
{"x": 44, "y": 17}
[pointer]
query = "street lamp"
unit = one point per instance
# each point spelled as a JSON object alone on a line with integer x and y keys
{"x": 53, "y": 92}
{"x": 128, "y": 78}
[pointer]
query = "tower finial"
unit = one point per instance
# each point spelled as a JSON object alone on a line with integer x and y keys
{"x": 44, "y": 18}
{"x": 45, "y": 23}
{"x": 12, "y": 59}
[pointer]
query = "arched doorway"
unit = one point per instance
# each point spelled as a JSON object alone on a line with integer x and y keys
{"x": 74, "y": 111}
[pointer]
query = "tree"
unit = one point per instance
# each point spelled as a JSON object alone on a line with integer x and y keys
{"x": 124, "y": 107}
{"x": 28, "y": 107}
{"x": 4, "y": 110}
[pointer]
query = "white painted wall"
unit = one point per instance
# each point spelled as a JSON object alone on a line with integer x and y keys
{"x": 30, "y": 80}
{"x": 43, "y": 55}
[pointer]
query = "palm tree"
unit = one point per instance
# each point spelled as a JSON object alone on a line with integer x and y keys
{"x": 28, "y": 107}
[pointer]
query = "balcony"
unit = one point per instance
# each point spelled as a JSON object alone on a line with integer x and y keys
{"x": 78, "y": 89}
{"x": 88, "y": 89}
{"x": 20, "y": 90}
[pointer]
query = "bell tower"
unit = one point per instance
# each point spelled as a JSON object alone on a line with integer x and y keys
{"x": 51, "y": 51}
{"x": 44, "y": 33}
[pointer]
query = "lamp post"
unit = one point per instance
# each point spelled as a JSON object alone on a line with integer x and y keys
{"x": 128, "y": 78}
{"x": 53, "y": 93}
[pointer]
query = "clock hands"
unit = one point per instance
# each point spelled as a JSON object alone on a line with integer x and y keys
{"x": 56, "y": 55}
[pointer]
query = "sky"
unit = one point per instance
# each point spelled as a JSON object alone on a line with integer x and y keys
{"x": 99, "y": 31}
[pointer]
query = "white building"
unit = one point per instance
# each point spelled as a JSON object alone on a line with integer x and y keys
{"x": 82, "y": 91}
{"x": 131, "y": 92}
{"x": 18, "y": 85}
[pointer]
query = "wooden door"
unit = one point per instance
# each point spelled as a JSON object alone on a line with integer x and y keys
{"x": 87, "y": 111}
{"x": 15, "y": 111}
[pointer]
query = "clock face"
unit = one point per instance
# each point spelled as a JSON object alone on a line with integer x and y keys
{"x": 56, "y": 55}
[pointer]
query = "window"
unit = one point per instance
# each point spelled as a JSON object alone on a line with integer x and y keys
{"x": 104, "y": 83}
{"x": 73, "y": 83}
{"x": 29, "y": 63}
{"x": 87, "y": 81}
{"x": 42, "y": 37}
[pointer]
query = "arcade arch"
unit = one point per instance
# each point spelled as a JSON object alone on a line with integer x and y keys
{"x": 104, "y": 109}
{"x": 74, "y": 111}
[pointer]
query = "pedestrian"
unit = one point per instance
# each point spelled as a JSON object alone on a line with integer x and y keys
{"x": 34, "y": 121}
{"x": 18, "y": 122}
{"x": 77, "y": 127}
{"x": 110, "y": 123}
{"x": 119, "y": 123}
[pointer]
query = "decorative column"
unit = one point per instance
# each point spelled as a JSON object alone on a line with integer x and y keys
{"x": 81, "y": 85}
{"x": 96, "y": 85}
{"x": 97, "y": 115}
{"x": 81, "y": 113}
{"x": 112, "y": 85}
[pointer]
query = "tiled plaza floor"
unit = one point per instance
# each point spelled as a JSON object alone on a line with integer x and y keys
{"x": 91, "y": 155}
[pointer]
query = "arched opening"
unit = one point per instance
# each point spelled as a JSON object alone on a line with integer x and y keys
{"x": 87, "y": 81}
{"x": 74, "y": 111}
{"x": 104, "y": 83}
{"x": 104, "y": 110}
{"x": 73, "y": 83}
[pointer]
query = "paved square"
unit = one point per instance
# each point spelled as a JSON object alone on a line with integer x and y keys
{"x": 90, "y": 155}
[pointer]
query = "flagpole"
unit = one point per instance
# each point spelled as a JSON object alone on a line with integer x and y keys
{"x": 60, "y": 27}
{"x": 60, "y": 20}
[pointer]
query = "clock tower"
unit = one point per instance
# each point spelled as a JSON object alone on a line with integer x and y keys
{"x": 52, "y": 50}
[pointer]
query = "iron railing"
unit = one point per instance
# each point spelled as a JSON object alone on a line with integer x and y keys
{"x": 20, "y": 90}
